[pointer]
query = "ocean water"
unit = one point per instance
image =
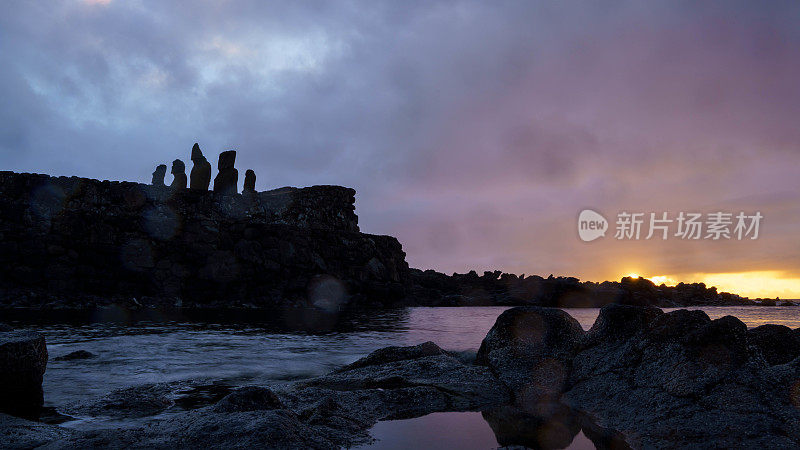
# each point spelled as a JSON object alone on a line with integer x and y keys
{"x": 208, "y": 358}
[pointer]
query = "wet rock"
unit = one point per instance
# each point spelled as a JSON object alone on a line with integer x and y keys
{"x": 779, "y": 344}
{"x": 19, "y": 433}
{"x": 684, "y": 380}
{"x": 78, "y": 354}
{"x": 158, "y": 175}
{"x": 179, "y": 173}
{"x": 136, "y": 401}
{"x": 4, "y": 327}
{"x": 531, "y": 349}
{"x": 23, "y": 360}
{"x": 249, "y": 398}
{"x": 200, "y": 177}
{"x": 392, "y": 354}
{"x": 228, "y": 177}
{"x": 249, "y": 182}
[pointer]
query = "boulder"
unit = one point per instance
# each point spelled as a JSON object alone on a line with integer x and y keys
{"x": 392, "y": 354}
{"x": 530, "y": 349}
{"x": 778, "y": 344}
{"x": 249, "y": 398}
{"x": 681, "y": 379}
{"x": 23, "y": 360}
{"x": 78, "y": 354}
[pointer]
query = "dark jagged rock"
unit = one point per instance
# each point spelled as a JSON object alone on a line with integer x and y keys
{"x": 23, "y": 360}
{"x": 779, "y": 344}
{"x": 78, "y": 354}
{"x": 159, "y": 174}
{"x": 135, "y": 401}
{"x": 249, "y": 398}
{"x": 200, "y": 177}
{"x": 179, "y": 172}
{"x": 333, "y": 411}
{"x": 392, "y": 354}
{"x": 249, "y": 182}
{"x": 531, "y": 349}
{"x": 4, "y": 327}
{"x": 80, "y": 243}
{"x": 681, "y": 379}
{"x": 228, "y": 177}
{"x": 431, "y": 288}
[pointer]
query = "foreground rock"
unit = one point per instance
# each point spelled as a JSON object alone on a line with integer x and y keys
{"x": 660, "y": 379}
{"x": 23, "y": 360}
{"x": 333, "y": 411}
{"x": 531, "y": 350}
{"x": 77, "y": 354}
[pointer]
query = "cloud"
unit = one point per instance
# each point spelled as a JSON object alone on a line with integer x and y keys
{"x": 473, "y": 132}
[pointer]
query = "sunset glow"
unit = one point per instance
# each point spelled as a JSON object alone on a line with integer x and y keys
{"x": 754, "y": 284}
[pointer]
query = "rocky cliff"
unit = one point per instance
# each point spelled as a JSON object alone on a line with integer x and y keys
{"x": 78, "y": 242}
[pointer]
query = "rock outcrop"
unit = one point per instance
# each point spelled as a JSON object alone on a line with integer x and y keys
{"x": 329, "y": 412}
{"x": 23, "y": 360}
{"x": 531, "y": 349}
{"x": 80, "y": 243}
{"x": 431, "y": 288}
{"x": 674, "y": 380}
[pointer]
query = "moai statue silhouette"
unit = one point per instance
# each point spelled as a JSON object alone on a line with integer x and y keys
{"x": 179, "y": 172}
{"x": 158, "y": 175}
{"x": 200, "y": 177}
{"x": 228, "y": 177}
{"x": 249, "y": 182}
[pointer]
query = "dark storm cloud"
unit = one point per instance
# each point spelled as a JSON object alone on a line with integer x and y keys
{"x": 474, "y": 131}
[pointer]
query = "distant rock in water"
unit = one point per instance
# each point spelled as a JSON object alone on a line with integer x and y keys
{"x": 179, "y": 172}
{"x": 200, "y": 177}
{"x": 23, "y": 361}
{"x": 249, "y": 181}
{"x": 78, "y": 354}
{"x": 159, "y": 174}
{"x": 228, "y": 177}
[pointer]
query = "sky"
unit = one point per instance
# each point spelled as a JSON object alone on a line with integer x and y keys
{"x": 474, "y": 132}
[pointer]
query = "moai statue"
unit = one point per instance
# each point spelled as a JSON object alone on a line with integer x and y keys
{"x": 249, "y": 182}
{"x": 228, "y": 177}
{"x": 200, "y": 177}
{"x": 179, "y": 172}
{"x": 158, "y": 175}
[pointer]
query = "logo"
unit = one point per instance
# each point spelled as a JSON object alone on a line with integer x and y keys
{"x": 591, "y": 225}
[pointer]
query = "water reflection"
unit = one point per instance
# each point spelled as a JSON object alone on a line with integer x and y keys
{"x": 503, "y": 426}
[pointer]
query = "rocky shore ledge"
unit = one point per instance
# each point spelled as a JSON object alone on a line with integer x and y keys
{"x": 639, "y": 377}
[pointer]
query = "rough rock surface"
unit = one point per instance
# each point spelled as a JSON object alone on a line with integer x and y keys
{"x": 531, "y": 349}
{"x": 23, "y": 360}
{"x": 77, "y": 354}
{"x": 681, "y": 379}
{"x": 333, "y": 411}
{"x": 74, "y": 242}
{"x": 431, "y": 288}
